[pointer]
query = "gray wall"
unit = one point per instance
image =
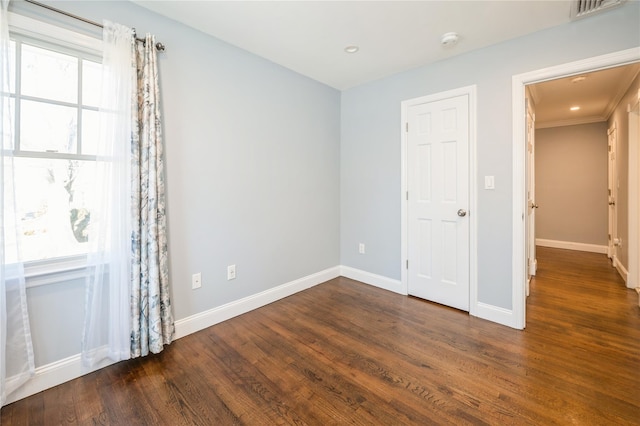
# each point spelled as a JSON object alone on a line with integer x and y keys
{"x": 571, "y": 183}
{"x": 284, "y": 176}
{"x": 370, "y": 142}
{"x": 252, "y": 163}
{"x": 56, "y": 313}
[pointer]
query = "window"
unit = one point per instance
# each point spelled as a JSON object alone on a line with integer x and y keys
{"x": 54, "y": 98}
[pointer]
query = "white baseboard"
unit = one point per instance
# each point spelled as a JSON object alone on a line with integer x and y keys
{"x": 70, "y": 368}
{"x": 216, "y": 315}
{"x": 54, "y": 374}
{"x": 568, "y": 245}
{"x": 373, "y": 279}
{"x": 482, "y": 310}
{"x": 621, "y": 270}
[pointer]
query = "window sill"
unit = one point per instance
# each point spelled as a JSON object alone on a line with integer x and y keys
{"x": 54, "y": 271}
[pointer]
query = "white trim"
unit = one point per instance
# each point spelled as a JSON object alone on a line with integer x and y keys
{"x": 570, "y": 122}
{"x": 38, "y": 29}
{"x": 633, "y": 244}
{"x": 570, "y": 245}
{"x": 55, "y": 277}
{"x": 54, "y": 271}
{"x": 471, "y": 92}
{"x": 205, "y": 319}
{"x": 373, "y": 279}
{"x": 473, "y": 204}
{"x": 612, "y": 183}
{"x": 54, "y": 374}
{"x": 519, "y": 271}
{"x": 621, "y": 270}
{"x": 404, "y": 188}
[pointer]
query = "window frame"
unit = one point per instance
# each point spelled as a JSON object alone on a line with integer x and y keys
{"x": 44, "y": 35}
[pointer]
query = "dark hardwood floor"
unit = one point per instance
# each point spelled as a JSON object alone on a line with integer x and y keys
{"x": 348, "y": 353}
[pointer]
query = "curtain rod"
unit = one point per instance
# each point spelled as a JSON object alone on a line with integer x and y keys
{"x": 159, "y": 45}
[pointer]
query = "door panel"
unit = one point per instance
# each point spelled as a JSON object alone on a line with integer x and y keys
{"x": 438, "y": 187}
{"x": 532, "y": 263}
{"x": 612, "y": 186}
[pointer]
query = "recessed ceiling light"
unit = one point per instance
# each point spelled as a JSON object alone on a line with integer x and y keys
{"x": 351, "y": 49}
{"x": 574, "y": 108}
{"x": 449, "y": 39}
{"x": 579, "y": 79}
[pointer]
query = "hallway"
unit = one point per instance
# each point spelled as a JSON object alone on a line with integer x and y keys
{"x": 581, "y": 310}
{"x": 579, "y": 287}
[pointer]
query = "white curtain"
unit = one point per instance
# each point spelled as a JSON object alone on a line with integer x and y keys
{"x": 128, "y": 311}
{"x": 16, "y": 350}
{"x": 107, "y": 315}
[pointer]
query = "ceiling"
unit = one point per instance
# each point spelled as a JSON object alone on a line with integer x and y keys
{"x": 309, "y": 37}
{"x": 596, "y": 93}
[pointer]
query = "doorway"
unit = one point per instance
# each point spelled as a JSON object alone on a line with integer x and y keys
{"x": 520, "y": 205}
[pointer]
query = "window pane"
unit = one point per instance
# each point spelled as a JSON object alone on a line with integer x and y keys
{"x": 90, "y": 132}
{"x": 46, "y": 127}
{"x": 12, "y": 67}
{"x": 53, "y": 198}
{"x": 49, "y": 75}
{"x": 8, "y": 121}
{"x": 91, "y": 83}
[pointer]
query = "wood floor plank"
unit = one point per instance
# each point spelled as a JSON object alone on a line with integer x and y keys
{"x": 347, "y": 353}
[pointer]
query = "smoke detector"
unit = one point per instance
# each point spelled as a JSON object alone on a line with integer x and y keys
{"x": 449, "y": 39}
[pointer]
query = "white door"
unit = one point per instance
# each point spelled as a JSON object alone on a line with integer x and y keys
{"x": 438, "y": 201}
{"x": 532, "y": 263}
{"x": 612, "y": 190}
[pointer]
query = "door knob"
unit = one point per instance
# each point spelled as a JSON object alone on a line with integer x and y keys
{"x": 462, "y": 213}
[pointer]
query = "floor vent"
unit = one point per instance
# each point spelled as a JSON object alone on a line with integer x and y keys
{"x": 582, "y": 8}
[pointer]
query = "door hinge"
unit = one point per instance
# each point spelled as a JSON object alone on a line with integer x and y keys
{"x": 407, "y": 263}
{"x": 406, "y": 127}
{"x": 407, "y": 195}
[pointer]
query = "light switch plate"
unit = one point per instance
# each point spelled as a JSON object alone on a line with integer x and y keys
{"x": 489, "y": 182}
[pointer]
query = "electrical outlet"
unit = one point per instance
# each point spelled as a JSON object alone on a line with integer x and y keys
{"x": 361, "y": 248}
{"x": 231, "y": 272}
{"x": 196, "y": 280}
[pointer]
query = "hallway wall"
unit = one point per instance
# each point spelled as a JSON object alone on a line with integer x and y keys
{"x": 571, "y": 184}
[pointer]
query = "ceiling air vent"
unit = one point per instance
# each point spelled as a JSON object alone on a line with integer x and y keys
{"x": 582, "y": 8}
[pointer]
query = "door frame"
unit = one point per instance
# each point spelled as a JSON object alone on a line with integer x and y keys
{"x": 532, "y": 261}
{"x": 633, "y": 244}
{"x": 519, "y": 239}
{"x": 469, "y": 91}
{"x": 612, "y": 180}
